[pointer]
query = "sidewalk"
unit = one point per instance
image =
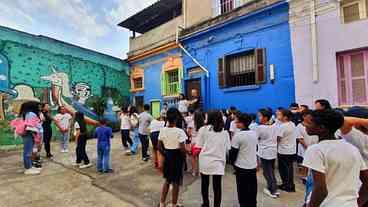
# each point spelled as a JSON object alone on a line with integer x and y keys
{"x": 134, "y": 183}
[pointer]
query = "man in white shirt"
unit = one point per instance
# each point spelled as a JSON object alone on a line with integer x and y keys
{"x": 125, "y": 127}
{"x": 337, "y": 167}
{"x": 143, "y": 129}
{"x": 63, "y": 123}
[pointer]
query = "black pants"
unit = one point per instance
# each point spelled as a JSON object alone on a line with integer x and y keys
{"x": 217, "y": 189}
{"x": 286, "y": 170}
{"x": 81, "y": 150}
{"x": 46, "y": 140}
{"x": 145, "y": 145}
{"x": 125, "y": 138}
{"x": 268, "y": 167}
{"x": 246, "y": 182}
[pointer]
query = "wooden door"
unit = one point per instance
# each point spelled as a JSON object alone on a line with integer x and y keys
{"x": 193, "y": 84}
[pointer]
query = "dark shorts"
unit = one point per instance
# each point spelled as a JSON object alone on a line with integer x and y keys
{"x": 154, "y": 140}
{"x": 174, "y": 166}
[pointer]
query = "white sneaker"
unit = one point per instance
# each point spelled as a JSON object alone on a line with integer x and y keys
{"x": 267, "y": 192}
{"x": 66, "y": 151}
{"x": 76, "y": 164}
{"x": 32, "y": 171}
{"x": 85, "y": 166}
{"x": 62, "y": 151}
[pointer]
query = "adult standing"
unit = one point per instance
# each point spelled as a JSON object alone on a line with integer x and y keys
{"x": 63, "y": 121}
{"x": 133, "y": 130}
{"x": 29, "y": 112}
{"x": 47, "y": 129}
{"x": 144, "y": 121}
{"x": 80, "y": 132}
{"x": 195, "y": 102}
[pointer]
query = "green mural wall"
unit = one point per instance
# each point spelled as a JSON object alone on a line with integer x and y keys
{"x": 34, "y": 64}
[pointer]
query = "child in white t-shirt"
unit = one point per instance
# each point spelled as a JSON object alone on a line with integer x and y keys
{"x": 172, "y": 148}
{"x": 243, "y": 156}
{"x": 337, "y": 166}
{"x": 198, "y": 122}
{"x": 215, "y": 143}
{"x": 305, "y": 141}
{"x": 286, "y": 139}
{"x": 183, "y": 104}
{"x": 155, "y": 127}
{"x": 125, "y": 127}
{"x": 267, "y": 151}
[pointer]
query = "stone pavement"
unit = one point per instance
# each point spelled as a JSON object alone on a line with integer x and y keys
{"x": 133, "y": 183}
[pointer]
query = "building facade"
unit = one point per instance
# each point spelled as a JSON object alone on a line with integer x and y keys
{"x": 247, "y": 53}
{"x": 223, "y": 48}
{"x": 38, "y": 68}
{"x": 330, "y": 50}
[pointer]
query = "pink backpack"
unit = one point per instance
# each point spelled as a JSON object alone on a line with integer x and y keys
{"x": 19, "y": 125}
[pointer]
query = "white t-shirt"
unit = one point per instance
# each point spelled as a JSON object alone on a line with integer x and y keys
{"x": 287, "y": 144}
{"x": 183, "y": 106}
{"x": 172, "y": 137}
{"x": 267, "y": 141}
{"x": 76, "y": 127}
{"x": 341, "y": 163}
{"x": 190, "y": 121}
{"x": 156, "y": 125}
{"x": 144, "y": 121}
{"x": 359, "y": 140}
{"x": 253, "y": 125}
{"x": 215, "y": 145}
{"x": 233, "y": 128}
{"x": 246, "y": 142}
{"x": 309, "y": 140}
{"x": 125, "y": 122}
{"x": 63, "y": 120}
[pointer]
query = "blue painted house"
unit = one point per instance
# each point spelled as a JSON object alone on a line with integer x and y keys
{"x": 248, "y": 58}
{"x": 234, "y": 52}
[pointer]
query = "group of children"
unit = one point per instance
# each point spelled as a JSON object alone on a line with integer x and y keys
{"x": 330, "y": 145}
{"x": 326, "y": 159}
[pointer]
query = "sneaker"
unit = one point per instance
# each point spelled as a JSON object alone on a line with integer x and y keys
{"x": 49, "y": 156}
{"x": 108, "y": 171}
{"x": 268, "y": 192}
{"x": 85, "y": 166}
{"x": 32, "y": 171}
{"x": 277, "y": 193}
{"x": 75, "y": 164}
{"x": 146, "y": 159}
{"x": 66, "y": 151}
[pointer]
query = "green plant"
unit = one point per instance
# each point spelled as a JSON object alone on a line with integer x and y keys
{"x": 98, "y": 104}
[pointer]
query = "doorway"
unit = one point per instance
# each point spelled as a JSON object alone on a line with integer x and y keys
{"x": 193, "y": 84}
{"x": 155, "y": 108}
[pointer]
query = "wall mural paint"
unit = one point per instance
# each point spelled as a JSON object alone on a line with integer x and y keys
{"x": 29, "y": 73}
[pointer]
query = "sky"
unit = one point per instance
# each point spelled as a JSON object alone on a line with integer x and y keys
{"x": 88, "y": 23}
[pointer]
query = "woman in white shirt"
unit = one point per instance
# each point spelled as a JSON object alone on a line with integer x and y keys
{"x": 183, "y": 104}
{"x": 215, "y": 143}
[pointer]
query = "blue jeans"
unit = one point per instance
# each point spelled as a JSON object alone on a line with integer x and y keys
{"x": 103, "y": 158}
{"x": 136, "y": 141}
{"x": 65, "y": 141}
{"x": 27, "y": 150}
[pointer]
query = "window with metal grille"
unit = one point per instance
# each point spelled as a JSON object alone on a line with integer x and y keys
{"x": 352, "y": 78}
{"x": 138, "y": 83}
{"x": 172, "y": 82}
{"x": 353, "y": 10}
{"x": 242, "y": 69}
{"x": 225, "y": 6}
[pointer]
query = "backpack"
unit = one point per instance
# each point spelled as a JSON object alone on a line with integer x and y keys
{"x": 19, "y": 126}
{"x": 134, "y": 120}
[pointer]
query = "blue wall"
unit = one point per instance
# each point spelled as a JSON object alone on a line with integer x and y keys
{"x": 152, "y": 75}
{"x": 268, "y": 28}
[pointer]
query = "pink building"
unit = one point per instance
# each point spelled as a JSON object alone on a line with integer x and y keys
{"x": 330, "y": 50}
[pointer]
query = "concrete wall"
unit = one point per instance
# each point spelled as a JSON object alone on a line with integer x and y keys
{"x": 332, "y": 37}
{"x": 38, "y": 66}
{"x": 197, "y": 12}
{"x": 268, "y": 29}
{"x": 155, "y": 37}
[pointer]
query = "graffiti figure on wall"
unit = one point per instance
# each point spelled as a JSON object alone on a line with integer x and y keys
{"x": 61, "y": 95}
{"x": 82, "y": 92}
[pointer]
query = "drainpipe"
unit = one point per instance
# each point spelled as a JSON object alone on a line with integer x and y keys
{"x": 187, "y": 53}
{"x": 315, "y": 71}
{"x": 184, "y": 13}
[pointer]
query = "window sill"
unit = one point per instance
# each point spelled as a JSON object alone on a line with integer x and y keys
{"x": 241, "y": 88}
